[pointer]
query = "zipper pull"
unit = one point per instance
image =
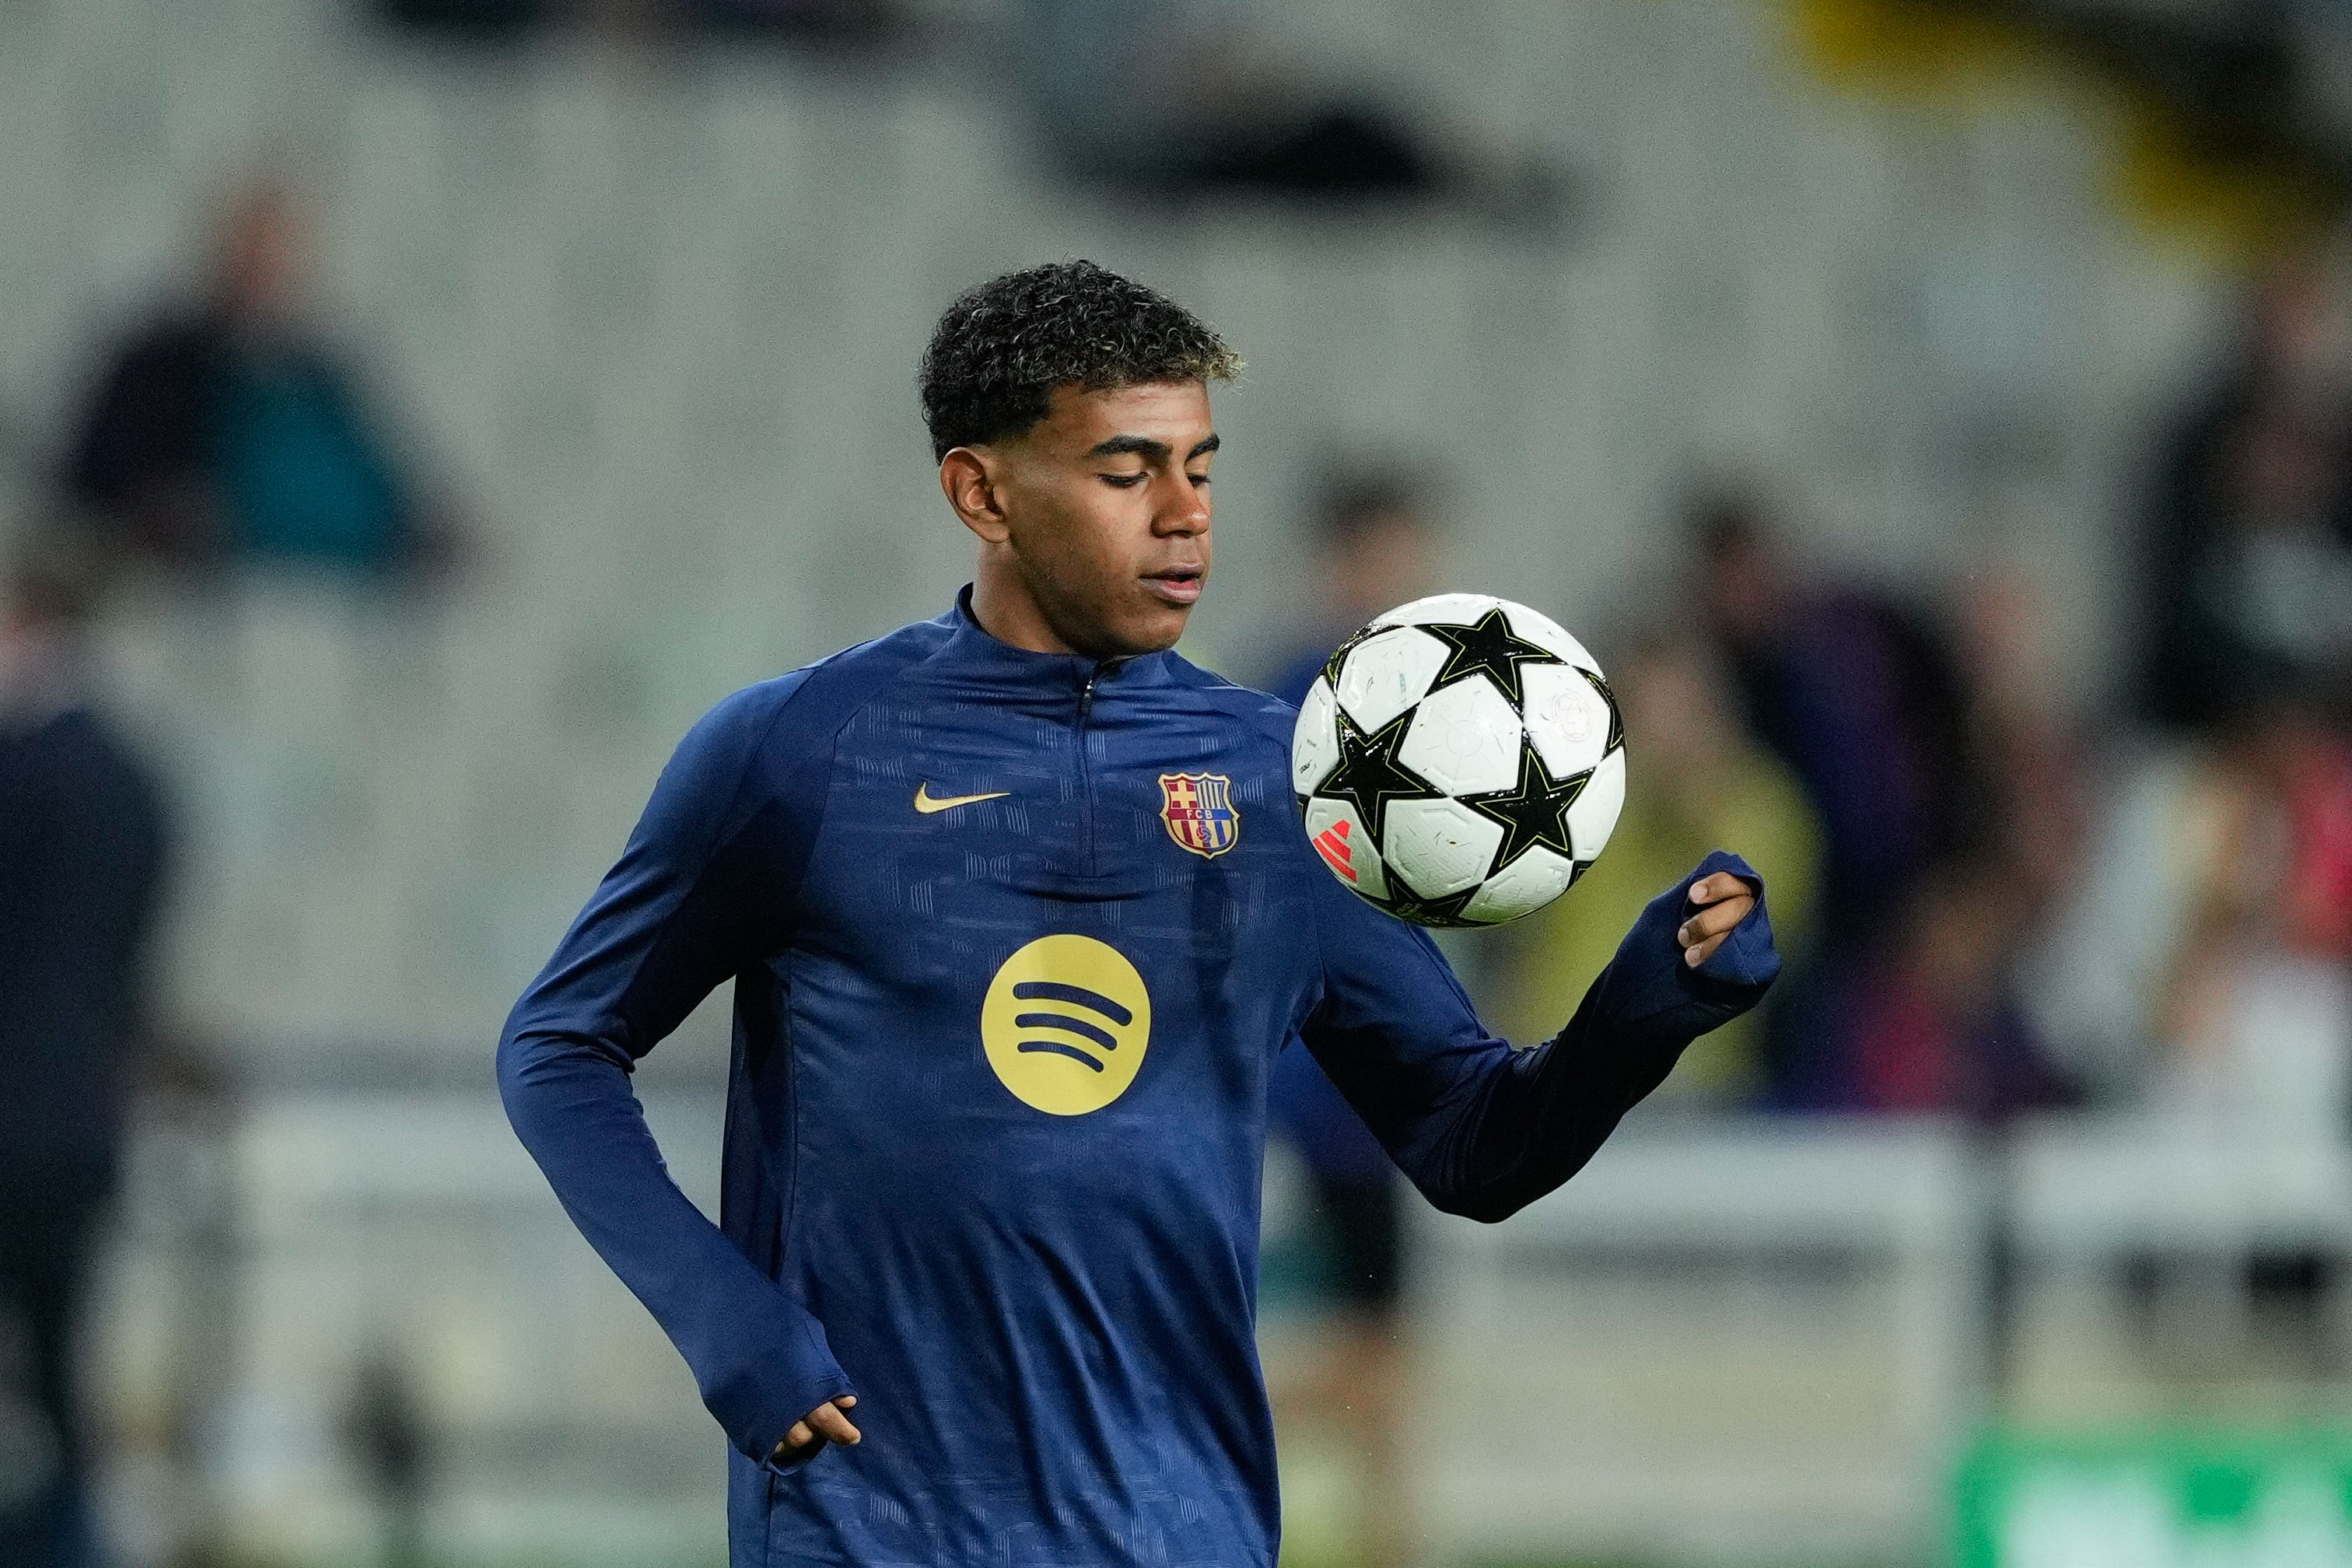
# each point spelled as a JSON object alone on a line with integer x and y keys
{"x": 1087, "y": 697}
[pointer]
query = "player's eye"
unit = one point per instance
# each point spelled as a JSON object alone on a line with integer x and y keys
{"x": 1124, "y": 481}
{"x": 1200, "y": 481}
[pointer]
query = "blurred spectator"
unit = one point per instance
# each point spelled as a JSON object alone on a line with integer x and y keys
{"x": 477, "y": 21}
{"x": 1703, "y": 784}
{"x": 2247, "y": 585}
{"x": 836, "y": 23}
{"x": 1926, "y": 1019}
{"x": 1904, "y": 1001}
{"x": 388, "y": 1432}
{"x": 81, "y": 854}
{"x": 2031, "y": 754}
{"x": 854, "y": 23}
{"x": 1932, "y": 1017}
{"x": 2206, "y": 964}
{"x": 2259, "y": 1011}
{"x": 1375, "y": 549}
{"x": 231, "y": 430}
{"x": 2202, "y": 965}
{"x": 1858, "y": 694}
{"x": 1178, "y": 98}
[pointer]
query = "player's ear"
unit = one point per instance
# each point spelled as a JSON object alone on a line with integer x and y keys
{"x": 968, "y": 480}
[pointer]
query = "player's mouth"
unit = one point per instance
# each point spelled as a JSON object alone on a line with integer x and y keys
{"x": 1177, "y": 585}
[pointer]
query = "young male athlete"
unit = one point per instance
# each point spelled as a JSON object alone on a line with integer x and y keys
{"x": 1019, "y": 916}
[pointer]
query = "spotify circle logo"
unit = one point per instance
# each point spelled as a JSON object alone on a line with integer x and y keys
{"x": 1066, "y": 1024}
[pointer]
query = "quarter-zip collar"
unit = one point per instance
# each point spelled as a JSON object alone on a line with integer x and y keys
{"x": 974, "y": 649}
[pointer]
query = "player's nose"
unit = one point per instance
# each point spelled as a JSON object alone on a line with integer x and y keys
{"x": 1184, "y": 511}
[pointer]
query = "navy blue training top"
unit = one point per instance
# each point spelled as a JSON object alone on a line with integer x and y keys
{"x": 1015, "y": 939}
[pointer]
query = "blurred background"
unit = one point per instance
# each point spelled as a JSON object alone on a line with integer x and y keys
{"x": 1936, "y": 415}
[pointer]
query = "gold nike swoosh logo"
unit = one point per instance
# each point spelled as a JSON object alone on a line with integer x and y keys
{"x": 926, "y": 803}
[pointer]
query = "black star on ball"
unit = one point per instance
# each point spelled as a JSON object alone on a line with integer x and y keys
{"x": 1369, "y": 775}
{"x": 1487, "y": 646}
{"x": 1408, "y": 905}
{"x": 1534, "y": 811}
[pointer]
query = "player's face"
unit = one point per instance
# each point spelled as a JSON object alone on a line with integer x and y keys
{"x": 1105, "y": 513}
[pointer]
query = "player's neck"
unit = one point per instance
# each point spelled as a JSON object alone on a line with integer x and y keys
{"x": 1006, "y": 611}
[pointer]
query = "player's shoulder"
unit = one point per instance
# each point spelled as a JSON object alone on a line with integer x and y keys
{"x": 1261, "y": 716}
{"x": 804, "y": 708}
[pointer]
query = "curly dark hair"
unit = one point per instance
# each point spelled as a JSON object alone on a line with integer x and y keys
{"x": 1001, "y": 349}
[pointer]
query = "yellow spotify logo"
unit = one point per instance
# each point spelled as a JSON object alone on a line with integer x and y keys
{"x": 1066, "y": 1024}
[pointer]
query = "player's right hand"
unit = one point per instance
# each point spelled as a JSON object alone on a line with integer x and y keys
{"x": 1727, "y": 900}
{"x": 823, "y": 1425}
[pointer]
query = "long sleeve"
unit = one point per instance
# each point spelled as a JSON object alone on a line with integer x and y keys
{"x": 1484, "y": 1129}
{"x": 695, "y": 900}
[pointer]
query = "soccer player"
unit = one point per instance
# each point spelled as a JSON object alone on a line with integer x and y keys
{"x": 1019, "y": 916}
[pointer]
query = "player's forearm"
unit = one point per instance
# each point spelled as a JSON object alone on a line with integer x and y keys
{"x": 760, "y": 1359}
{"x": 1537, "y": 1117}
{"x": 1544, "y": 1113}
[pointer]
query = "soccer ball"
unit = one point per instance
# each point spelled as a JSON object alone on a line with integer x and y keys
{"x": 1459, "y": 762}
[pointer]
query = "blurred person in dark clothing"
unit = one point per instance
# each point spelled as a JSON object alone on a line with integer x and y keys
{"x": 1182, "y": 98}
{"x": 2246, "y": 589}
{"x": 847, "y": 23}
{"x": 1161, "y": 96}
{"x": 1928, "y": 1021}
{"x": 844, "y": 23}
{"x": 1375, "y": 548}
{"x": 231, "y": 430}
{"x": 1859, "y": 694}
{"x": 1933, "y": 1018}
{"x": 1903, "y": 1003}
{"x": 81, "y": 861}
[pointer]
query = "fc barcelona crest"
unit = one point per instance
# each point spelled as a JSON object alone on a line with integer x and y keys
{"x": 1199, "y": 811}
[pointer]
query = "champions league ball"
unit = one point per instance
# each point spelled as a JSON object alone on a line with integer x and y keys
{"x": 1459, "y": 762}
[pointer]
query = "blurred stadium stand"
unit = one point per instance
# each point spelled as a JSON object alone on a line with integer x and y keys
{"x": 655, "y": 316}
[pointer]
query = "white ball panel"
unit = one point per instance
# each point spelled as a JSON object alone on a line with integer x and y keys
{"x": 1453, "y": 609}
{"x": 1439, "y": 847}
{"x": 1383, "y": 675}
{"x": 1349, "y": 848}
{"x": 1567, "y": 719}
{"x": 1464, "y": 739}
{"x": 1594, "y": 813}
{"x": 1521, "y": 888}
{"x": 1548, "y": 634}
{"x": 1315, "y": 742}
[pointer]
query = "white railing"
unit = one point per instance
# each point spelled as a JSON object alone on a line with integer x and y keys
{"x": 1718, "y": 1338}
{"x": 1723, "y": 1339}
